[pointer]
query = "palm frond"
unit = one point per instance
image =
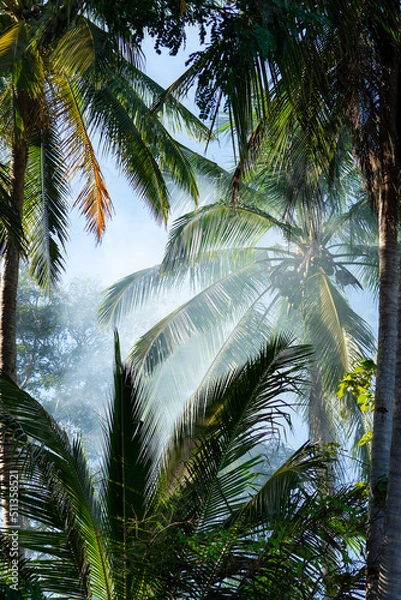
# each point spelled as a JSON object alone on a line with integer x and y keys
{"x": 67, "y": 463}
{"x": 271, "y": 501}
{"x": 12, "y": 46}
{"x": 45, "y": 209}
{"x": 155, "y": 283}
{"x": 132, "y": 291}
{"x": 131, "y": 453}
{"x": 222, "y": 427}
{"x": 204, "y": 358}
{"x": 215, "y": 227}
{"x": 334, "y": 326}
{"x": 141, "y": 144}
{"x": 224, "y": 298}
{"x": 93, "y": 200}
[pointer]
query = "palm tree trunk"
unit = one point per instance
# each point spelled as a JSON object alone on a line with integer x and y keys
{"x": 8, "y": 307}
{"x": 8, "y": 313}
{"x": 383, "y": 413}
{"x": 9, "y": 274}
{"x": 390, "y": 569}
{"x": 321, "y": 434}
{"x": 388, "y": 206}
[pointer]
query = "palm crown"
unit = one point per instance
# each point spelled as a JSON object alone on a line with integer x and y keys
{"x": 251, "y": 287}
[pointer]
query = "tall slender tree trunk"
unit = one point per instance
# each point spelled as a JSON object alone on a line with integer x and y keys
{"x": 390, "y": 569}
{"x": 8, "y": 307}
{"x": 388, "y": 207}
{"x": 383, "y": 413}
{"x": 321, "y": 434}
{"x": 10, "y": 266}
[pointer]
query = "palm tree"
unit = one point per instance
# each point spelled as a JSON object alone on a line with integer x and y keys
{"x": 326, "y": 66}
{"x": 63, "y": 78}
{"x": 298, "y": 285}
{"x": 202, "y": 519}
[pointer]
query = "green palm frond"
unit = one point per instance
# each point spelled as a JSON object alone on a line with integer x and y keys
{"x": 78, "y": 50}
{"x": 87, "y": 44}
{"x": 213, "y": 172}
{"x": 202, "y": 520}
{"x": 223, "y": 299}
{"x": 139, "y": 288}
{"x": 206, "y": 357}
{"x": 12, "y": 47}
{"x": 127, "y": 126}
{"x": 140, "y": 144}
{"x": 215, "y": 227}
{"x": 134, "y": 156}
{"x": 309, "y": 540}
{"x": 131, "y": 291}
{"x": 249, "y": 333}
{"x": 174, "y": 160}
{"x": 334, "y": 325}
{"x": 46, "y": 209}
{"x": 223, "y": 425}
{"x": 272, "y": 499}
{"x": 131, "y": 455}
{"x": 131, "y": 451}
{"x": 240, "y": 82}
{"x": 66, "y": 462}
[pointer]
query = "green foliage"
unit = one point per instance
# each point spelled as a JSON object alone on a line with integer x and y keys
{"x": 360, "y": 382}
{"x": 199, "y": 519}
{"x": 63, "y": 78}
{"x": 25, "y": 591}
{"x": 250, "y": 287}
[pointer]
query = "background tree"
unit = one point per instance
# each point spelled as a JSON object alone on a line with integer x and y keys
{"x": 246, "y": 288}
{"x": 62, "y": 355}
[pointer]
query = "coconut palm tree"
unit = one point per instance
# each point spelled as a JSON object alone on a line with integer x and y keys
{"x": 203, "y": 519}
{"x": 252, "y": 287}
{"x": 63, "y": 79}
{"x": 327, "y": 66}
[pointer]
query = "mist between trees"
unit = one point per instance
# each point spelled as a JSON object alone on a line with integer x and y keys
{"x": 65, "y": 356}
